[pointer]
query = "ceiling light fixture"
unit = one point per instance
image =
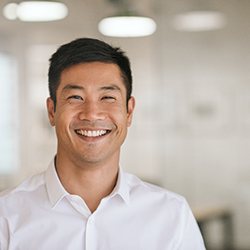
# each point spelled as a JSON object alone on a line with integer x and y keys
{"x": 126, "y": 23}
{"x": 36, "y": 11}
{"x": 127, "y": 26}
{"x": 199, "y": 21}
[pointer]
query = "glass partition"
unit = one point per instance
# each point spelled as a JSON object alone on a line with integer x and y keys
{"x": 9, "y": 119}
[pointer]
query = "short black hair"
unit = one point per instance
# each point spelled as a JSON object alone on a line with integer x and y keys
{"x": 85, "y": 50}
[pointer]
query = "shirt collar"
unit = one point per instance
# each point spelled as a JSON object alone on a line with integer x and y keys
{"x": 122, "y": 187}
{"x": 55, "y": 189}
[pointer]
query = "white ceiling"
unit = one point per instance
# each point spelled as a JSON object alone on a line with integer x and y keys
{"x": 83, "y": 18}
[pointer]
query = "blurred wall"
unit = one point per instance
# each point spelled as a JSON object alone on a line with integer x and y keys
{"x": 191, "y": 129}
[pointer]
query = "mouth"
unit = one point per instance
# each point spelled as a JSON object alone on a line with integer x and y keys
{"x": 92, "y": 133}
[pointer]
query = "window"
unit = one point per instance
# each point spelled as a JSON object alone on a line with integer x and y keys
{"x": 8, "y": 114}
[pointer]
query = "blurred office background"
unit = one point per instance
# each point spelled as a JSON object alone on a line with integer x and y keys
{"x": 191, "y": 129}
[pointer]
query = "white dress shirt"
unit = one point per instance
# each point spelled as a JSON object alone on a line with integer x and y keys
{"x": 41, "y": 215}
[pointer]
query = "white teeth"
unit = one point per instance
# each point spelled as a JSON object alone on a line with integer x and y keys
{"x": 91, "y": 133}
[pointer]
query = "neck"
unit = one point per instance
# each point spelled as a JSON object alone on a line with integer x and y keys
{"x": 92, "y": 182}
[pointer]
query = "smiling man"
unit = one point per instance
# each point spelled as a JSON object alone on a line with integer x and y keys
{"x": 84, "y": 200}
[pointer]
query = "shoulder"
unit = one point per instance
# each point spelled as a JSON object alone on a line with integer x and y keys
{"x": 28, "y": 185}
{"x": 153, "y": 193}
{"x": 18, "y": 195}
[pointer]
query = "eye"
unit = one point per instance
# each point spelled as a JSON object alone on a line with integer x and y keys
{"x": 108, "y": 98}
{"x": 75, "y": 97}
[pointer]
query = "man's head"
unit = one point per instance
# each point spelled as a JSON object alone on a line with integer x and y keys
{"x": 91, "y": 105}
{"x": 85, "y": 50}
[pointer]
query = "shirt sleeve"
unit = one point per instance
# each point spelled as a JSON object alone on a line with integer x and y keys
{"x": 191, "y": 237}
{"x": 4, "y": 234}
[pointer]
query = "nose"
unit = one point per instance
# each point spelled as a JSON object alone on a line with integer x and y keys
{"x": 91, "y": 111}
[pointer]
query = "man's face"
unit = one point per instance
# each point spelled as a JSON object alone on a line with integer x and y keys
{"x": 91, "y": 116}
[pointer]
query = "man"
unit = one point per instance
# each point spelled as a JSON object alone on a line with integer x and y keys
{"x": 84, "y": 200}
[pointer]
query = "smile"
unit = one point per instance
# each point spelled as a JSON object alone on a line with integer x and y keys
{"x": 92, "y": 133}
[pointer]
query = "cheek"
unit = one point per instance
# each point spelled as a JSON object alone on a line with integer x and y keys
{"x": 120, "y": 116}
{"x": 118, "y": 107}
{"x": 63, "y": 119}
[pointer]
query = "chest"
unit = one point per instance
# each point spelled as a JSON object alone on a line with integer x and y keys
{"x": 111, "y": 229}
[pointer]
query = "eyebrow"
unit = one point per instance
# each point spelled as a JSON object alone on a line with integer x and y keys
{"x": 105, "y": 88}
{"x": 111, "y": 87}
{"x": 72, "y": 86}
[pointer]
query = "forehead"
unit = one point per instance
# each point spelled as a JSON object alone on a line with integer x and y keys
{"x": 93, "y": 73}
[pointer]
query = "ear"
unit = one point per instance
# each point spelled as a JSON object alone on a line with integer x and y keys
{"x": 51, "y": 111}
{"x": 131, "y": 106}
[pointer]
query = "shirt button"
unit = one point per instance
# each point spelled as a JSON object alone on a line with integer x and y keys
{"x": 90, "y": 220}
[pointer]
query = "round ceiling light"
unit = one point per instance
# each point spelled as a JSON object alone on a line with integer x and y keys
{"x": 36, "y": 11}
{"x": 10, "y": 11}
{"x": 127, "y": 26}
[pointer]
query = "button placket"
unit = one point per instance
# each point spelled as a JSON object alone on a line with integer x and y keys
{"x": 80, "y": 206}
{"x": 91, "y": 234}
